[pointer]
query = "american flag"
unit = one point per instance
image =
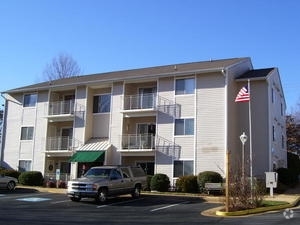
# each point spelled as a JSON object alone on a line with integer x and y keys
{"x": 243, "y": 95}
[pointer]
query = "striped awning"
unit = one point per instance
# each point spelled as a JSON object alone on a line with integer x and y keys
{"x": 95, "y": 144}
{"x": 92, "y": 151}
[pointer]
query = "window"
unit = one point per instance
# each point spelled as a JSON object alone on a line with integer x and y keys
{"x": 26, "y": 133}
{"x": 184, "y": 126}
{"x": 101, "y": 104}
{"x": 282, "y": 141}
{"x": 24, "y": 165}
{"x": 185, "y": 86}
{"x": 30, "y": 100}
{"x": 273, "y": 133}
{"x": 183, "y": 167}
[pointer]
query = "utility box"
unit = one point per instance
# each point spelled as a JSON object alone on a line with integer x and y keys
{"x": 271, "y": 181}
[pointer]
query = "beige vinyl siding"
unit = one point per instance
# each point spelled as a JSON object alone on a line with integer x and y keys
{"x": 165, "y": 122}
{"x": 187, "y": 144}
{"x": 187, "y": 105}
{"x": 101, "y": 125}
{"x": 79, "y": 122}
{"x": 25, "y": 151}
{"x": 116, "y": 123}
{"x": 165, "y": 127}
{"x": 277, "y": 119}
{"x": 259, "y": 115}
{"x": 29, "y": 114}
{"x": 210, "y": 123}
{"x": 89, "y": 115}
{"x": 40, "y": 132}
{"x": 13, "y": 131}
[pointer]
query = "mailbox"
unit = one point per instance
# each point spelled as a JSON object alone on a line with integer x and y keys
{"x": 271, "y": 179}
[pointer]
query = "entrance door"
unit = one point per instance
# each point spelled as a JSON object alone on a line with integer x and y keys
{"x": 68, "y": 104}
{"x": 147, "y": 99}
{"x": 148, "y": 167}
{"x": 66, "y": 138}
{"x": 146, "y": 135}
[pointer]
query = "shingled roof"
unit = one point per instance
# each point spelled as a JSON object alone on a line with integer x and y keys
{"x": 204, "y": 66}
{"x": 258, "y": 73}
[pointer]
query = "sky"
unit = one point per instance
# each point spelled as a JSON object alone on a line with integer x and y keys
{"x": 112, "y": 35}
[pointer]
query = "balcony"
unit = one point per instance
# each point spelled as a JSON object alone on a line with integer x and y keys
{"x": 148, "y": 105}
{"x": 138, "y": 142}
{"x": 59, "y": 143}
{"x": 61, "y": 111}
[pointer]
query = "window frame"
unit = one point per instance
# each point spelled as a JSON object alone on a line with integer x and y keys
{"x": 27, "y": 165}
{"x": 185, "y": 124}
{"x": 183, "y": 164}
{"x": 27, "y": 133}
{"x": 185, "y": 90}
{"x": 29, "y": 101}
{"x": 99, "y": 105}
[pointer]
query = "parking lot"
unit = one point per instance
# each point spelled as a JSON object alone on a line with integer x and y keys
{"x": 25, "y": 206}
{"x": 31, "y": 207}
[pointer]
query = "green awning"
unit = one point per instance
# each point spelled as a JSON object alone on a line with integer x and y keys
{"x": 88, "y": 156}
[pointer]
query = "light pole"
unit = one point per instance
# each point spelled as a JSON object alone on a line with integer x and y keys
{"x": 243, "y": 139}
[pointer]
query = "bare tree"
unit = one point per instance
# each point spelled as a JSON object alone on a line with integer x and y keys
{"x": 62, "y": 66}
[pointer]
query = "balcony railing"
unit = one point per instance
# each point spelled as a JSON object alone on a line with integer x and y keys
{"x": 151, "y": 101}
{"x": 138, "y": 141}
{"x": 141, "y": 101}
{"x": 61, "y": 107}
{"x": 59, "y": 143}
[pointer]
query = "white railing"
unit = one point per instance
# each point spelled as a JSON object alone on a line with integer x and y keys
{"x": 59, "y": 143}
{"x": 151, "y": 101}
{"x": 138, "y": 141}
{"x": 61, "y": 107}
{"x": 140, "y": 101}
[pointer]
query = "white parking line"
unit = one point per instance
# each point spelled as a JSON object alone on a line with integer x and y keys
{"x": 15, "y": 197}
{"x": 168, "y": 206}
{"x": 57, "y": 202}
{"x": 119, "y": 203}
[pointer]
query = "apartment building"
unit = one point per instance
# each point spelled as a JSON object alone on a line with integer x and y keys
{"x": 177, "y": 119}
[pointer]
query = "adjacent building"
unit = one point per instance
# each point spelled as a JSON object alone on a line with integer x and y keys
{"x": 177, "y": 119}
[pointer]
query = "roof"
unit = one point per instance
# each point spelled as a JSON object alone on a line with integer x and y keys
{"x": 258, "y": 73}
{"x": 176, "y": 69}
{"x": 95, "y": 144}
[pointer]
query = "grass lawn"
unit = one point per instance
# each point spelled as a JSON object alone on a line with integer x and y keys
{"x": 266, "y": 203}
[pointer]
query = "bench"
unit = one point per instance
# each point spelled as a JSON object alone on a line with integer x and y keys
{"x": 213, "y": 187}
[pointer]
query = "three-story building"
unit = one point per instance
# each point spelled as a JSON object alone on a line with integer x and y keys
{"x": 177, "y": 119}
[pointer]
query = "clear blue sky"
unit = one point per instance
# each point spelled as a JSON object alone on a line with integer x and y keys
{"x": 126, "y": 34}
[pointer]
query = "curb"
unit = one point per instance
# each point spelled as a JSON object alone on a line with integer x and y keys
{"x": 258, "y": 210}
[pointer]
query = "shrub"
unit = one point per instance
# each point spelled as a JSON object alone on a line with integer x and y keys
{"x": 208, "y": 177}
{"x": 187, "y": 184}
{"x": 31, "y": 178}
{"x": 148, "y": 187}
{"x": 11, "y": 173}
{"x": 160, "y": 182}
{"x": 287, "y": 176}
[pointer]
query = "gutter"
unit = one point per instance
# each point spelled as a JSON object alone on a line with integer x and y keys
{"x": 191, "y": 72}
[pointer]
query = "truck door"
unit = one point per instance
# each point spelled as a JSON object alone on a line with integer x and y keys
{"x": 128, "y": 179}
{"x": 116, "y": 182}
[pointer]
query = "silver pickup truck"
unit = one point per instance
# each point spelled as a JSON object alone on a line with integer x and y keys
{"x": 103, "y": 181}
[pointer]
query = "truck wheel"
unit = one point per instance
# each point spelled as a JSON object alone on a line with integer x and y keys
{"x": 11, "y": 185}
{"x": 75, "y": 199}
{"x": 102, "y": 195}
{"x": 137, "y": 192}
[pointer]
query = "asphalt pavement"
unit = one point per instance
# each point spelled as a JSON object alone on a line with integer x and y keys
{"x": 291, "y": 196}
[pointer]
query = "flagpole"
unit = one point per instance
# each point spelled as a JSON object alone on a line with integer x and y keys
{"x": 250, "y": 140}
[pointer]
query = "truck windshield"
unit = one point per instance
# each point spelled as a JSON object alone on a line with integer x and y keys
{"x": 98, "y": 172}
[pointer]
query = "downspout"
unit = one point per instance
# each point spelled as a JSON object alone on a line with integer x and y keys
{"x": 224, "y": 72}
{"x": 3, "y": 131}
